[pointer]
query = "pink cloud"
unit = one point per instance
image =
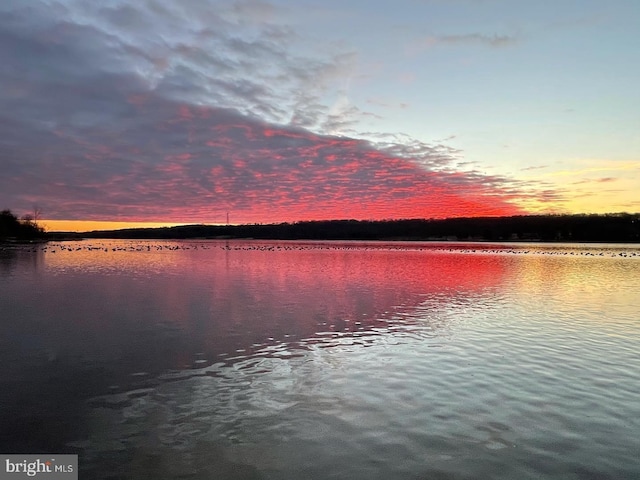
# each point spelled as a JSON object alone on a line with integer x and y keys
{"x": 194, "y": 164}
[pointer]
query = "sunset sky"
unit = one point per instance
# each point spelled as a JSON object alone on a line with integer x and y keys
{"x": 181, "y": 111}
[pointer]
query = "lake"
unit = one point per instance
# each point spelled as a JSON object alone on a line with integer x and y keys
{"x": 323, "y": 360}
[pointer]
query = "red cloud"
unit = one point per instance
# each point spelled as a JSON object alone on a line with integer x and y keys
{"x": 181, "y": 163}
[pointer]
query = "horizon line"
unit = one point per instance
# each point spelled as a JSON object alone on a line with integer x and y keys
{"x": 108, "y": 225}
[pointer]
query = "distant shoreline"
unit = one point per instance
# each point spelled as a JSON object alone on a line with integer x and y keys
{"x": 609, "y": 228}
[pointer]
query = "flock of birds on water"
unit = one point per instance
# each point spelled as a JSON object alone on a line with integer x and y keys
{"x": 146, "y": 246}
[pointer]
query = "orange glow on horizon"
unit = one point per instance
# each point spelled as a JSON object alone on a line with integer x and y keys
{"x": 90, "y": 225}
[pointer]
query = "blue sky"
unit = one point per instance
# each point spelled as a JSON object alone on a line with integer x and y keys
{"x": 518, "y": 84}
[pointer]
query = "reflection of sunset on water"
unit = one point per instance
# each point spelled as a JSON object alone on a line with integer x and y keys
{"x": 165, "y": 344}
{"x": 228, "y": 299}
{"x": 221, "y": 300}
{"x": 576, "y": 275}
{"x": 285, "y": 288}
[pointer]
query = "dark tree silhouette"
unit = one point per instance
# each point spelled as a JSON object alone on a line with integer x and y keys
{"x": 24, "y": 229}
{"x": 621, "y": 227}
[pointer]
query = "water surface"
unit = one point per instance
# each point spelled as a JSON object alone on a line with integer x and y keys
{"x": 323, "y": 359}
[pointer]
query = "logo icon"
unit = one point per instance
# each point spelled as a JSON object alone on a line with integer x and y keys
{"x": 41, "y": 467}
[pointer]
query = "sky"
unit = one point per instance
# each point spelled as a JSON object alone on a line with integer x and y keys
{"x": 163, "y": 112}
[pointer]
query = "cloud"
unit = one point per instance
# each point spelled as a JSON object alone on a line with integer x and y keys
{"x": 378, "y": 102}
{"x": 180, "y": 111}
{"x": 602, "y": 165}
{"x": 226, "y": 54}
{"x": 477, "y": 39}
{"x": 534, "y": 167}
{"x": 189, "y": 163}
{"x": 462, "y": 40}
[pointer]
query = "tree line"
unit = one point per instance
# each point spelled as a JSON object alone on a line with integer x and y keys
{"x": 619, "y": 227}
{"x": 622, "y": 227}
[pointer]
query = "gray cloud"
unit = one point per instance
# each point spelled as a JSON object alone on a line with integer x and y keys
{"x": 478, "y": 39}
{"x": 468, "y": 39}
{"x": 225, "y": 54}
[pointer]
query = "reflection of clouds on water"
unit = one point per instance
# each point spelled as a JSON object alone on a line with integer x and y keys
{"x": 169, "y": 359}
{"x": 159, "y": 306}
{"x": 156, "y": 305}
{"x": 123, "y": 316}
{"x": 262, "y": 358}
{"x": 263, "y": 413}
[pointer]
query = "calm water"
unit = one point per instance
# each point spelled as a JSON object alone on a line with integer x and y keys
{"x": 255, "y": 360}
